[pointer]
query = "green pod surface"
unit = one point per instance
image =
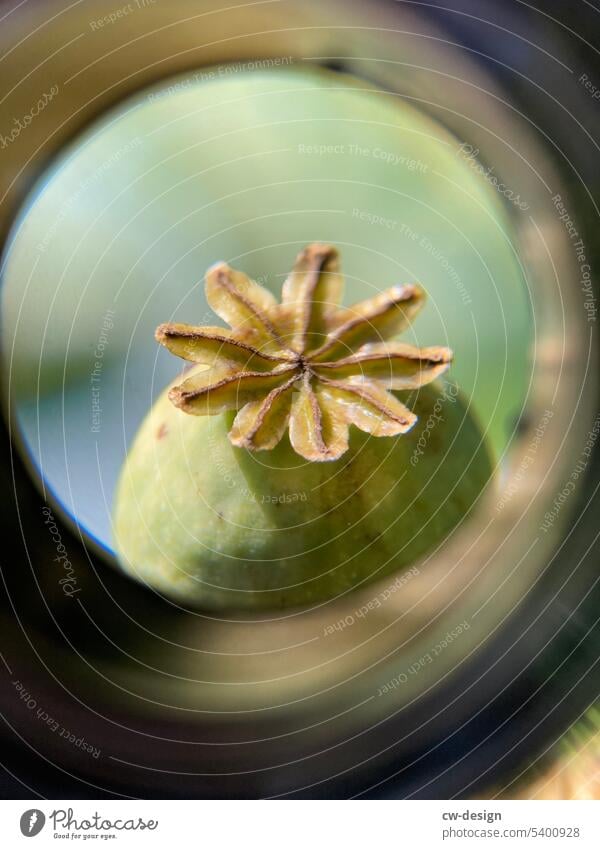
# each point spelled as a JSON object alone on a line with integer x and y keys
{"x": 217, "y": 527}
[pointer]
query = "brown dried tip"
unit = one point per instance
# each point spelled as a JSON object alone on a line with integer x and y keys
{"x": 306, "y": 363}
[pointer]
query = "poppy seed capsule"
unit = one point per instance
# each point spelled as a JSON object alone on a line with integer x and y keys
{"x": 261, "y": 481}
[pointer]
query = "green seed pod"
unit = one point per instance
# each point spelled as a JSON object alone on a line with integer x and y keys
{"x": 219, "y": 527}
{"x": 284, "y": 470}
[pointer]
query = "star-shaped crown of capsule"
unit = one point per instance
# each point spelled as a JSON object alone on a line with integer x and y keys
{"x": 305, "y": 363}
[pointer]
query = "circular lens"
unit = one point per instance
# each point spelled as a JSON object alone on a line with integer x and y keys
{"x": 245, "y": 166}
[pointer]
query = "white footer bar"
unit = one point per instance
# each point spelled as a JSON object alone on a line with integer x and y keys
{"x": 301, "y": 824}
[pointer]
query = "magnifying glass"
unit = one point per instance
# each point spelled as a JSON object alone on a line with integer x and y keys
{"x": 333, "y": 133}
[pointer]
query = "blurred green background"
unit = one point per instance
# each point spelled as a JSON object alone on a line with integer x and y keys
{"x": 248, "y": 167}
